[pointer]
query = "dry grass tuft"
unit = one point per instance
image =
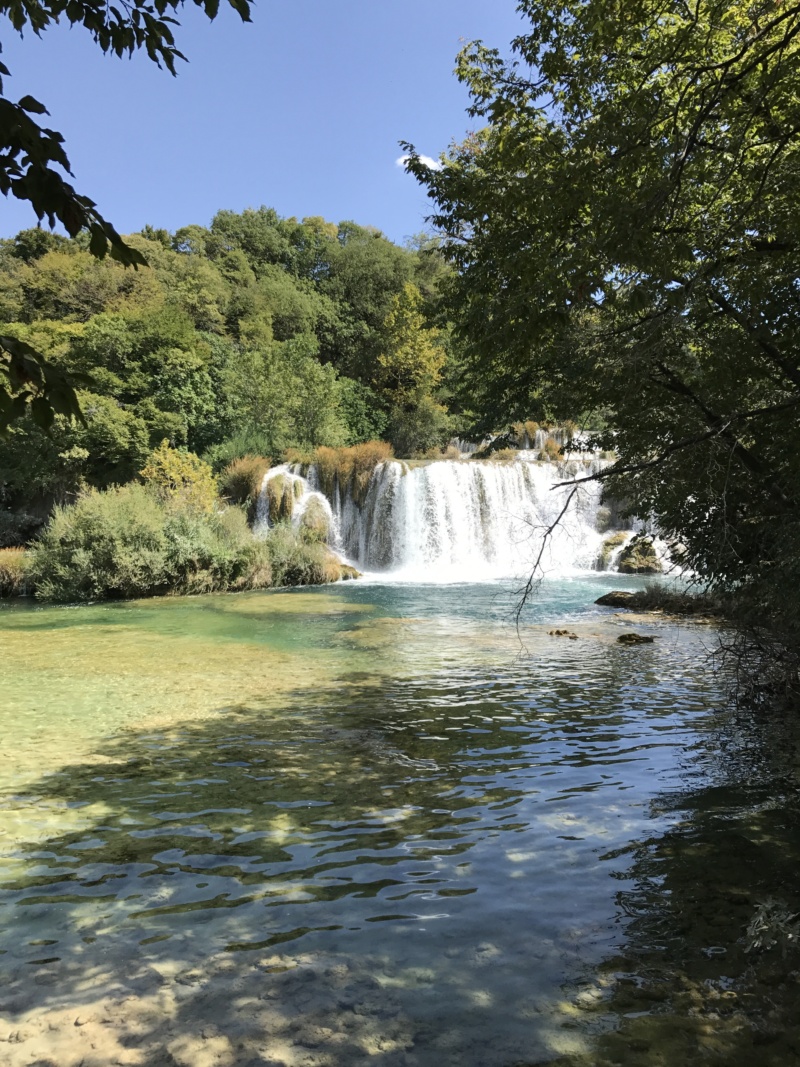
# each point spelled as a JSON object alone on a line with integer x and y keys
{"x": 13, "y": 578}
{"x": 241, "y": 480}
{"x": 350, "y": 468}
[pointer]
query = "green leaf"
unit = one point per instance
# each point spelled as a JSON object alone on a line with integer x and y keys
{"x": 42, "y": 412}
{"x": 28, "y": 103}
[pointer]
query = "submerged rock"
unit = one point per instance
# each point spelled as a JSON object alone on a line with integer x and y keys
{"x": 563, "y": 633}
{"x": 635, "y": 639}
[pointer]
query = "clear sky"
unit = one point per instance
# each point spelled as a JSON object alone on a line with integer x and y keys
{"x": 300, "y": 110}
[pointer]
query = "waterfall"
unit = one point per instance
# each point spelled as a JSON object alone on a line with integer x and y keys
{"x": 458, "y": 520}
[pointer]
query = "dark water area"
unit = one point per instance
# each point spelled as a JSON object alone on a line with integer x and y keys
{"x": 374, "y": 824}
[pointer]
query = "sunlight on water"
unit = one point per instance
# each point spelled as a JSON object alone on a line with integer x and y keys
{"x": 367, "y": 824}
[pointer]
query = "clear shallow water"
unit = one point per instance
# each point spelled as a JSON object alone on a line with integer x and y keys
{"x": 364, "y": 824}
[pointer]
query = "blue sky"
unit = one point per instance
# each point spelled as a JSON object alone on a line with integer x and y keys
{"x": 300, "y": 110}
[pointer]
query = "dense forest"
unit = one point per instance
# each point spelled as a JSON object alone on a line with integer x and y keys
{"x": 251, "y": 336}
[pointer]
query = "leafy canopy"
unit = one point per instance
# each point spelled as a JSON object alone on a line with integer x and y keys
{"x": 626, "y": 228}
{"x": 34, "y": 166}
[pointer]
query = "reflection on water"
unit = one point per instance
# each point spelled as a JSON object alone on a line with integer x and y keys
{"x": 361, "y": 826}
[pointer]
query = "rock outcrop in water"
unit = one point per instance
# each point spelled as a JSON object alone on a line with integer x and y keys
{"x": 639, "y": 557}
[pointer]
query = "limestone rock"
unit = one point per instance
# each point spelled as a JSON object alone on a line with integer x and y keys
{"x": 639, "y": 557}
{"x": 617, "y": 598}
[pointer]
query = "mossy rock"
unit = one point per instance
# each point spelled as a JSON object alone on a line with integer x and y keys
{"x": 349, "y": 573}
{"x": 280, "y": 494}
{"x": 315, "y": 524}
{"x": 608, "y": 548}
{"x": 639, "y": 557}
{"x": 617, "y": 598}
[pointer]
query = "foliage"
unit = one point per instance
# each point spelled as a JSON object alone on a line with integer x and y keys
{"x": 411, "y": 361}
{"x": 109, "y": 544}
{"x": 361, "y": 410}
{"x": 130, "y": 542}
{"x": 174, "y": 473}
{"x": 296, "y": 561}
{"x": 33, "y": 163}
{"x": 626, "y": 231}
{"x": 315, "y": 523}
{"x": 239, "y": 339}
{"x": 415, "y": 429}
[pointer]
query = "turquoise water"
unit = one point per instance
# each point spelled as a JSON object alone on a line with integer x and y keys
{"x": 362, "y": 824}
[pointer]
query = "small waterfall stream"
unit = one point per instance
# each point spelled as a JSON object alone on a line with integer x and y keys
{"x": 453, "y": 520}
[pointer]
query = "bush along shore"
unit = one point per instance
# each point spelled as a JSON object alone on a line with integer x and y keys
{"x": 170, "y": 533}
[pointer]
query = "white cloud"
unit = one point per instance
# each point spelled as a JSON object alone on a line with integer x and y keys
{"x": 427, "y": 161}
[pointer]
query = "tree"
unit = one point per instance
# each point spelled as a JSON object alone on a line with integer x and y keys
{"x": 409, "y": 369}
{"x": 33, "y": 165}
{"x": 626, "y": 232}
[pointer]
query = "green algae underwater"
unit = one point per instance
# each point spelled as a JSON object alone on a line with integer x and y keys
{"x": 373, "y": 825}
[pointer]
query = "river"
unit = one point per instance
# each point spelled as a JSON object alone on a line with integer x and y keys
{"x": 377, "y": 824}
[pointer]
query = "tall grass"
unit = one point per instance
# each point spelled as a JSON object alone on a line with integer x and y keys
{"x": 349, "y": 468}
{"x": 13, "y": 572}
{"x": 241, "y": 481}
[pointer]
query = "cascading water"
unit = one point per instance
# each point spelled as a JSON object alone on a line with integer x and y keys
{"x": 457, "y": 520}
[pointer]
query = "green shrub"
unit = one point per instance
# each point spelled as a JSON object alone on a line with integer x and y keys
{"x": 132, "y": 542}
{"x": 295, "y": 561}
{"x": 207, "y": 553}
{"x": 128, "y": 542}
{"x": 108, "y": 544}
{"x": 13, "y": 572}
{"x": 413, "y": 430}
{"x": 175, "y": 473}
{"x": 245, "y": 443}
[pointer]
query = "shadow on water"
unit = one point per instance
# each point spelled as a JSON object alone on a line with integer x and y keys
{"x": 689, "y": 985}
{"x": 401, "y": 874}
